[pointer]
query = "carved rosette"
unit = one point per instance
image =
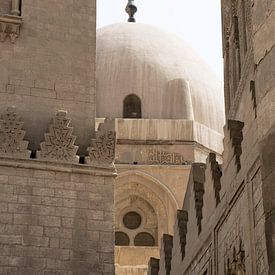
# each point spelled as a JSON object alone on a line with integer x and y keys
{"x": 102, "y": 150}
{"x": 12, "y": 135}
{"x": 59, "y": 142}
{"x": 10, "y": 27}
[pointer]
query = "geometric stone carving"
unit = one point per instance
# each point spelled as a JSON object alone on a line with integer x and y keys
{"x": 102, "y": 150}
{"x": 10, "y": 27}
{"x": 153, "y": 266}
{"x": 198, "y": 172}
{"x": 216, "y": 175}
{"x": 59, "y": 142}
{"x": 167, "y": 247}
{"x": 11, "y": 135}
{"x": 236, "y": 136}
{"x": 156, "y": 157}
{"x": 182, "y": 218}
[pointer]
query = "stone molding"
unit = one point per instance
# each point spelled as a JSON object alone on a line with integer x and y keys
{"x": 236, "y": 135}
{"x": 59, "y": 142}
{"x": 12, "y": 135}
{"x": 102, "y": 150}
{"x": 198, "y": 171}
{"x": 167, "y": 241}
{"x": 182, "y": 218}
{"x": 10, "y": 27}
{"x": 216, "y": 176}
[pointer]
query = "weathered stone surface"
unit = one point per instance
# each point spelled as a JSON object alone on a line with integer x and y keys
{"x": 12, "y": 135}
{"x": 59, "y": 142}
{"x": 102, "y": 150}
{"x": 47, "y": 224}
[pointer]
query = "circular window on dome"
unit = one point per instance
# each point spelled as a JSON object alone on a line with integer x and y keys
{"x": 132, "y": 220}
{"x": 121, "y": 239}
{"x": 144, "y": 239}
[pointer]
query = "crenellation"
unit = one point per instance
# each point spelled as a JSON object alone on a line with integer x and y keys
{"x": 236, "y": 136}
{"x": 59, "y": 142}
{"x": 216, "y": 176}
{"x": 12, "y": 143}
{"x": 182, "y": 220}
{"x": 198, "y": 173}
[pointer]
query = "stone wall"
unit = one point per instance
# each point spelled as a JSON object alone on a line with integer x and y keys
{"x": 56, "y": 219}
{"x": 48, "y": 64}
{"x": 233, "y": 232}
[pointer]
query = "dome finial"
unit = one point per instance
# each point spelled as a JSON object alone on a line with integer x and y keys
{"x": 131, "y": 9}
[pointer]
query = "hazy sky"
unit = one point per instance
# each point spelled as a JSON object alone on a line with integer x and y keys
{"x": 198, "y": 22}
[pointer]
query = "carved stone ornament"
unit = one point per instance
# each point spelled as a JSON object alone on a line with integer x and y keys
{"x": 11, "y": 135}
{"x": 165, "y": 158}
{"x": 102, "y": 150}
{"x": 59, "y": 142}
{"x": 10, "y": 27}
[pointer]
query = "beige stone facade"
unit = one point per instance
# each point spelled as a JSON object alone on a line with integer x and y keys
{"x": 158, "y": 91}
{"x": 226, "y": 225}
{"x": 56, "y": 172}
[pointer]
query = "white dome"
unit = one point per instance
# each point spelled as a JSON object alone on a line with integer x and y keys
{"x": 169, "y": 78}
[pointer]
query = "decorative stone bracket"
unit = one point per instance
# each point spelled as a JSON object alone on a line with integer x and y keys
{"x": 10, "y": 27}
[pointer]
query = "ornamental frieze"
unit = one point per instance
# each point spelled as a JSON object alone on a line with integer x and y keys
{"x": 159, "y": 157}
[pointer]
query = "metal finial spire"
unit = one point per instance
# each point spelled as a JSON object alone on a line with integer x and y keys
{"x": 131, "y": 9}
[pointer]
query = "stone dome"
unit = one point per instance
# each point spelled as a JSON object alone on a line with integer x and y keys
{"x": 168, "y": 78}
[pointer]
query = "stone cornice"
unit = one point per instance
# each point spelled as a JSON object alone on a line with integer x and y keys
{"x": 58, "y": 167}
{"x": 10, "y": 27}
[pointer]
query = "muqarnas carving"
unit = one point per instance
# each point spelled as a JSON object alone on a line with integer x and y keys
{"x": 102, "y": 150}
{"x": 12, "y": 135}
{"x": 182, "y": 218}
{"x": 236, "y": 135}
{"x": 59, "y": 142}
{"x": 216, "y": 176}
{"x": 10, "y": 27}
{"x": 198, "y": 170}
{"x": 167, "y": 247}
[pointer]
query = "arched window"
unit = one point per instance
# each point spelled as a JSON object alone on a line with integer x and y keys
{"x": 132, "y": 107}
{"x": 121, "y": 239}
